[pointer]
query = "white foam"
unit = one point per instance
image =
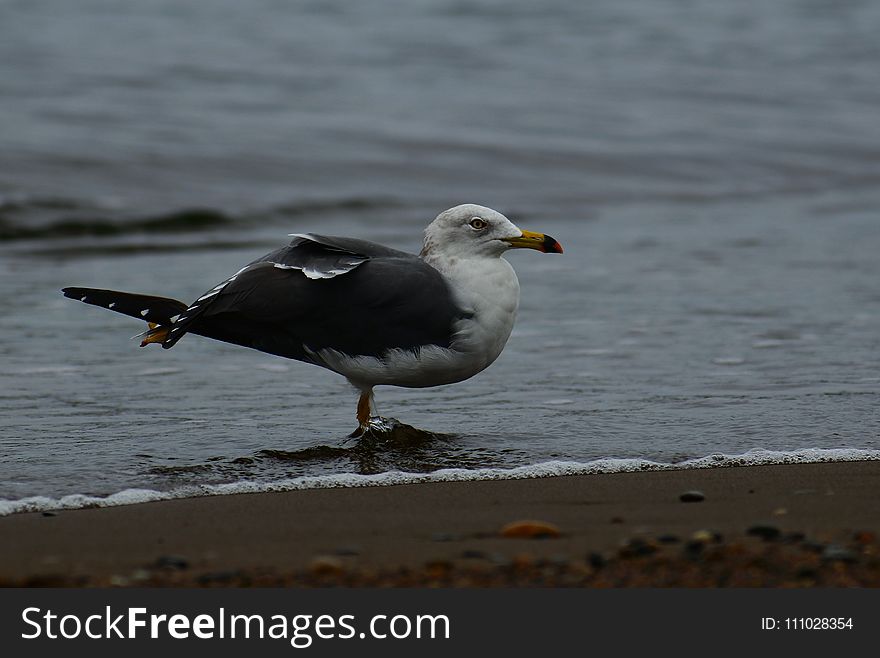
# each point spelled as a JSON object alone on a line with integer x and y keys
{"x": 351, "y": 480}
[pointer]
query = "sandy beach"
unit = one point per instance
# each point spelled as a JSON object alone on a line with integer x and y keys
{"x": 780, "y": 525}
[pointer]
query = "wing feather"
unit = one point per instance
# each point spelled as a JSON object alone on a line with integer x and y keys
{"x": 360, "y": 299}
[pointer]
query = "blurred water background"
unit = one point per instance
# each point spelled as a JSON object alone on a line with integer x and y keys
{"x": 712, "y": 169}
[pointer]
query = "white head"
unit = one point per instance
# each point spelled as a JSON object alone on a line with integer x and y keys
{"x": 469, "y": 230}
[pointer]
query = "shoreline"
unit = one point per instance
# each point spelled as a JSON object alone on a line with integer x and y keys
{"x": 773, "y": 525}
{"x": 557, "y": 468}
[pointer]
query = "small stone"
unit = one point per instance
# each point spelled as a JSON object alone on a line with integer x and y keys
{"x": 637, "y": 547}
{"x": 813, "y": 546}
{"x": 837, "y": 553}
{"x": 765, "y": 531}
{"x": 218, "y": 577}
{"x": 325, "y": 564}
{"x": 172, "y": 562}
{"x": 530, "y": 530}
{"x": 706, "y": 536}
{"x": 473, "y": 554}
{"x": 864, "y": 537}
{"x": 692, "y": 496}
{"x": 596, "y": 560}
{"x": 806, "y": 572}
{"x": 499, "y": 559}
{"x": 49, "y": 513}
{"x": 558, "y": 560}
{"x": 523, "y": 561}
{"x": 438, "y": 567}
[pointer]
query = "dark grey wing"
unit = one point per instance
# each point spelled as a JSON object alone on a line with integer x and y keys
{"x": 384, "y": 301}
{"x": 304, "y": 253}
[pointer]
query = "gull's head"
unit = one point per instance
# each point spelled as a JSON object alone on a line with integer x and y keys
{"x": 470, "y": 230}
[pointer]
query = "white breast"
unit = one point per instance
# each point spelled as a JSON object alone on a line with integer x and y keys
{"x": 488, "y": 290}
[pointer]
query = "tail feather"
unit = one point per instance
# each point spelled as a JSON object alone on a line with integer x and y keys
{"x": 160, "y": 311}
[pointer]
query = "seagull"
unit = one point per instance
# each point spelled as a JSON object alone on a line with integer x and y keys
{"x": 375, "y": 315}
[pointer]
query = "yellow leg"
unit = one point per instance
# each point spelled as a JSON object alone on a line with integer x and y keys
{"x": 363, "y": 412}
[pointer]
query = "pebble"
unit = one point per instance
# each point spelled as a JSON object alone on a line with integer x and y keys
{"x": 865, "y": 537}
{"x": 50, "y": 513}
{"x": 439, "y": 567}
{"x": 596, "y": 560}
{"x": 668, "y": 539}
{"x": 692, "y": 497}
{"x": 558, "y": 560}
{"x": 218, "y": 577}
{"x": 637, "y": 547}
{"x": 473, "y": 554}
{"x": 835, "y": 552}
{"x": 793, "y": 537}
{"x": 813, "y": 546}
{"x": 172, "y": 562}
{"x": 325, "y": 564}
{"x": 523, "y": 561}
{"x": 765, "y": 531}
{"x": 499, "y": 560}
{"x": 706, "y": 536}
{"x": 807, "y": 572}
{"x": 530, "y": 530}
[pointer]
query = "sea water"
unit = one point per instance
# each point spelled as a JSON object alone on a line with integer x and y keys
{"x": 711, "y": 169}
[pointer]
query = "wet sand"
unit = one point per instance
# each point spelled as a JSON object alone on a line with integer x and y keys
{"x": 780, "y": 525}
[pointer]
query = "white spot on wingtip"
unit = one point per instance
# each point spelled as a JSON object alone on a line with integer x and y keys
{"x": 174, "y": 318}
{"x": 144, "y": 312}
{"x": 111, "y": 305}
{"x": 82, "y": 299}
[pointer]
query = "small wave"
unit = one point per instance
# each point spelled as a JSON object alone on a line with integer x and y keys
{"x": 187, "y": 220}
{"x": 92, "y": 220}
{"x": 349, "y": 205}
{"x": 351, "y": 480}
{"x": 17, "y": 203}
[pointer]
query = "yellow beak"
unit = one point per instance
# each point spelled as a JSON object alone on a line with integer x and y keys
{"x": 539, "y": 241}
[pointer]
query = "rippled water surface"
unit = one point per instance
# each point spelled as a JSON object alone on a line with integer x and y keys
{"x": 712, "y": 170}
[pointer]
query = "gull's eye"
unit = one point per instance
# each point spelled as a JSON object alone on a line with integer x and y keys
{"x": 478, "y": 224}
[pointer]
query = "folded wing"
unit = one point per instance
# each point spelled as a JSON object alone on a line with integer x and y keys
{"x": 322, "y": 292}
